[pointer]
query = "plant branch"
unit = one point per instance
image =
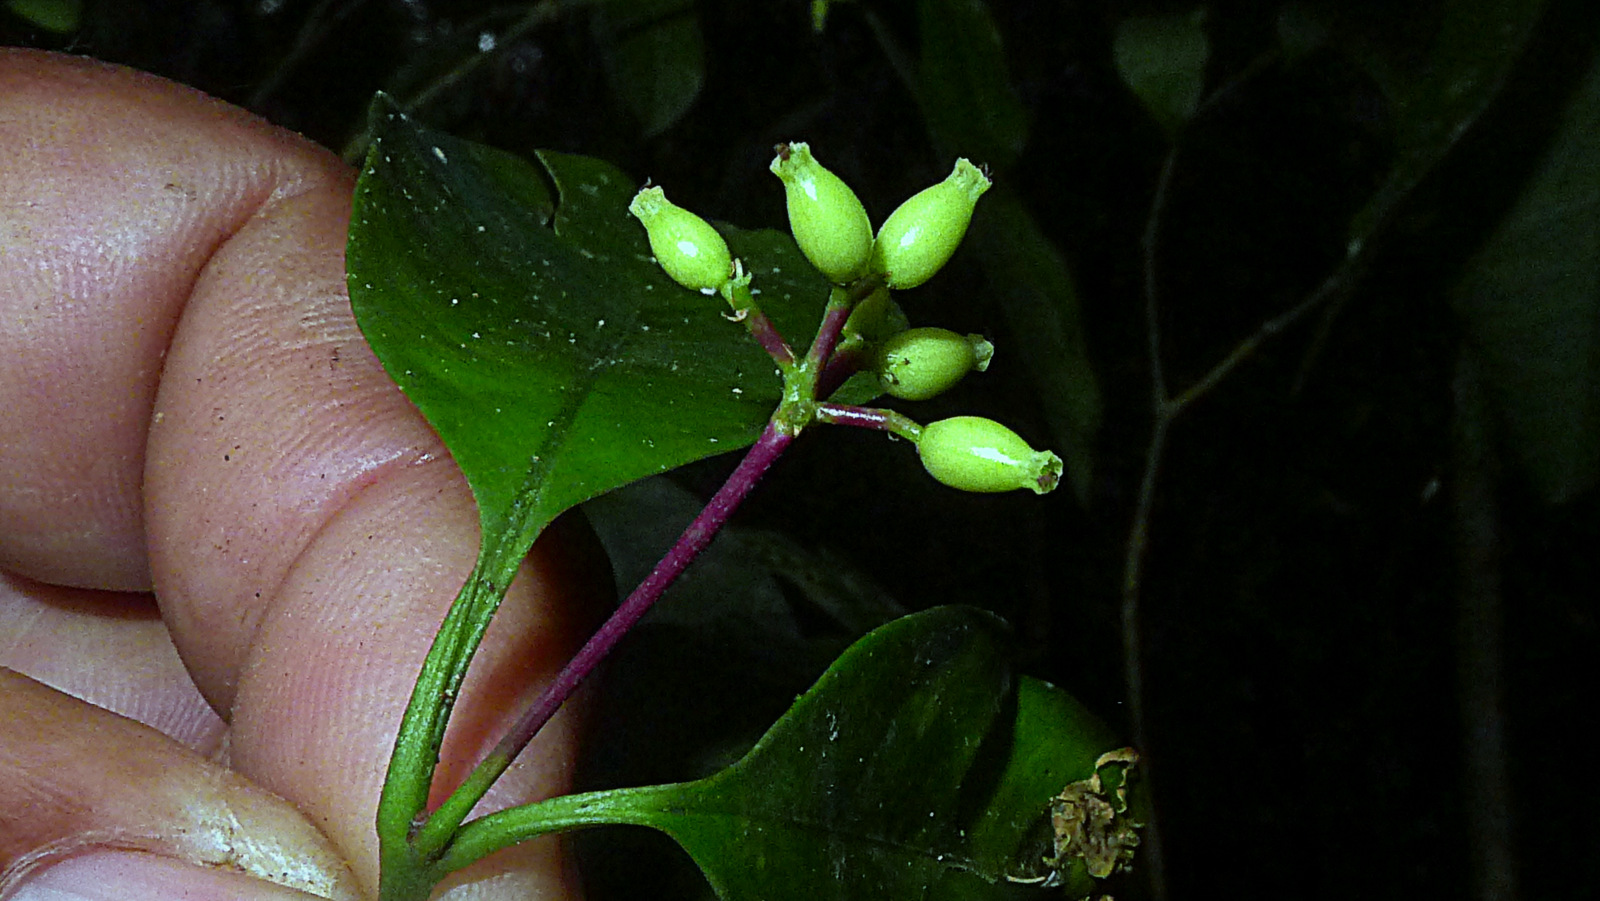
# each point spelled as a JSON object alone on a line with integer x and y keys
{"x": 757, "y": 323}
{"x": 442, "y": 825}
{"x": 1152, "y": 317}
{"x": 840, "y": 302}
{"x": 895, "y": 423}
{"x": 1480, "y": 642}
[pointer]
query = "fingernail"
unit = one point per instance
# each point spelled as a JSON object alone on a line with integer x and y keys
{"x": 132, "y": 876}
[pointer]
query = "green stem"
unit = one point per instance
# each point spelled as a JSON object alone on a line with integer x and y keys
{"x": 416, "y": 752}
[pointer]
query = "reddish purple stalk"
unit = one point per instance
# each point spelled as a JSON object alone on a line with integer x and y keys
{"x": 766, "y": 451}
{"x": 432, "y": 834}
{"x": 694, "y": 539}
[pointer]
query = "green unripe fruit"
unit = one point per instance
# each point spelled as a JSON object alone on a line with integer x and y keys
{"x": 828, "y": 221}
{"x": 925, "y": 362}
{"x": 918, "y": 238}
{"x": 876, "y": 318}
{"x": 685, "y": 245}
{"x": 976, "y": 454}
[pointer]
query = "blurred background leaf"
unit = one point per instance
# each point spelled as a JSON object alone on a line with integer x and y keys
{"x": 967, "y": 96}
{"x": 1530, "y": 301}
{"x": 59, "y": 16}
{"x": 1162, "y": 58}
{"x": 655, "y": 57}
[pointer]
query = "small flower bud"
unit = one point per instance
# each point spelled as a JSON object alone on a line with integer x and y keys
{"x": 918, "y": 238}
{"x": 976, "y": 454}
{"x": 828, "y": 221}
{"x": 924, "y": 362}
{"x": 685, "y": 245}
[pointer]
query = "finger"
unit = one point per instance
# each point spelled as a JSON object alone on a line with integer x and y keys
{"x": 61, "y": 793}
{"x": 118, "y": 188}
{"x": 107, "y": 648}
{"x": 305, "y": 529}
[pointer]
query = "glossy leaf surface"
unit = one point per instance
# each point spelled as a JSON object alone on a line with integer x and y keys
{"x": 915, "y": 767}
{"x": 516, "y": 304}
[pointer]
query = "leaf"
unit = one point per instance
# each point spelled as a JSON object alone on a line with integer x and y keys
{"x": 746, "y": 584}
{"x": 516, "y": 304}
{"x": 1162, "y": 59}
{"x": 913, "y": 768}
{"x": 966, "y": 94}
{"x": 1530, "y": 300}
{"x": 1030, "y": 281}
{"x": 1478, "y": 43}
{"x": 654, "y": 55}
{"x": 763, "y": 613}
{"x": 59, "y": 16}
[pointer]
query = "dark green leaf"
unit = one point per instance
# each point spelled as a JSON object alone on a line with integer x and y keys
{"x": 517, "y": 305}
{"x": 967, "y": 96}
{"x": 748, "y": 579}
{"x": 913, "y": 768}
{"x": 1162, "y": 59}
{"x": 1055, "y": 741}
{"x": 1478, "y": 43}
{"x": 1530, "y": 300}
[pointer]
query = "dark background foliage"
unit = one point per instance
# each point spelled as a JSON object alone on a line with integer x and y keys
{"x": 1307, "y": 624}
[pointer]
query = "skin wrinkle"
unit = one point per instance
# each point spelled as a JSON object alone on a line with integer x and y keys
{"x": 108, "y": 248}
{"x": 316, "y": 462}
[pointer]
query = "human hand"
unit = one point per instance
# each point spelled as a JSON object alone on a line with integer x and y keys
{"x": 190, "y": 408}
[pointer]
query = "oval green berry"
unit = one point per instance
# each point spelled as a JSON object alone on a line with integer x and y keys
{"x": 918, "y": 238}
{"x": 685, "y": 245}
{"x": 976, "y": 454}
{"x": 924, "y": 362}
{"x": 828, "y": 220}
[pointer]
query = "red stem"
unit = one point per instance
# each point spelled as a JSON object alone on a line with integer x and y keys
{"x": 694, "y": 539}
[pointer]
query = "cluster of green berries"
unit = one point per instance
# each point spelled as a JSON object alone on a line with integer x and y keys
{"x": 832, "y": 230}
